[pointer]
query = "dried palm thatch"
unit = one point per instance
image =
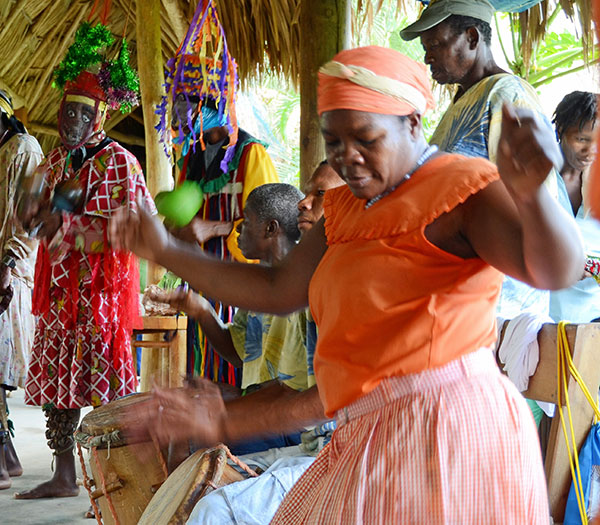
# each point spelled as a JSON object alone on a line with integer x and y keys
{"x": 263, "y": 35}
{"x": 533, "y": 24}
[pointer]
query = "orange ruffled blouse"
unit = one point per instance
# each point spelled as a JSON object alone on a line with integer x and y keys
{"x": 388, "y": 302}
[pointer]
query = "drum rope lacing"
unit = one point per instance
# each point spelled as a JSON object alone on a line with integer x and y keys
{"x": 92, "y": 443}
{"x": 108, "y": 439}
{"x": 113, "y": 511}
{"x": 87, "y": 483}
{"x": 238, "y": 461}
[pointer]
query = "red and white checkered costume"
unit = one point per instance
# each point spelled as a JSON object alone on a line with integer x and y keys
{"x": 86, "y": 294}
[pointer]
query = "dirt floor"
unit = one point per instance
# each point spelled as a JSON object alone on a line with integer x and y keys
{"x": 35, "y": 456}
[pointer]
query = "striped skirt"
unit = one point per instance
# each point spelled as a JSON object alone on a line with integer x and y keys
{"x": 452, "y": 445}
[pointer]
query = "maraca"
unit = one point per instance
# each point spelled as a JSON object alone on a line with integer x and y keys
{"x": 181, "y": 205}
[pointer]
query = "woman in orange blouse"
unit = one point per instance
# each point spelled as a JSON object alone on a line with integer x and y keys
{"x": 402, "y": 277}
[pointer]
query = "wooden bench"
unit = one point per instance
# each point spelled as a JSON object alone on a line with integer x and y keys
{"x": 163, "y": 362}
{"x": 584, "y": 342}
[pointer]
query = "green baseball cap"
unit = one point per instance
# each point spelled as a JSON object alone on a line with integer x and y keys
{"x": 438, "y": 10}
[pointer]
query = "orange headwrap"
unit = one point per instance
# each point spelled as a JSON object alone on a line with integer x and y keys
{"x": 374, "y": 79}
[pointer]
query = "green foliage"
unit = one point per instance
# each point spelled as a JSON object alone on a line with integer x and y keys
{"x": 271, "y": 112}
{"x": 559, "y": 54}
{"x": 84, "y": 53}
{"x": 122, "y": 75}
{"x": 124, "y": 81}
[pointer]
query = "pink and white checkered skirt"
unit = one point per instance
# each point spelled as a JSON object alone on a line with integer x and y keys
{"x": 453, "y": 445}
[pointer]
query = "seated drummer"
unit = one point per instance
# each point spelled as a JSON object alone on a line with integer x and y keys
{"x": 265, "y": 346}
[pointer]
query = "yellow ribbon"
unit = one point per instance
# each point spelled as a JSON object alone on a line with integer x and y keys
{"x": 566, "y": 366}
{"x": 6, "y": 107}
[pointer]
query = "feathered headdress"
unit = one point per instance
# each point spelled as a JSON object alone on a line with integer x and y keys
{"x": 86, "y": 69}
{"x": 202, "y": 67}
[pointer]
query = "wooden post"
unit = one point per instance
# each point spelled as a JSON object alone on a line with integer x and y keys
{"x": 150, "y": 65}
{"x": 324, "y": 30}
{"x": 586, "y": 355}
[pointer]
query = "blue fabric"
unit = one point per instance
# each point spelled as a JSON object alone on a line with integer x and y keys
{"x": 513, "y": 6}
{"x": 311, "y": 343}
{"x": 211, "y": 118}
{"x": 258, "y": 445}
{"x": 589, "y": 465}
{"x": 254, "y": 337}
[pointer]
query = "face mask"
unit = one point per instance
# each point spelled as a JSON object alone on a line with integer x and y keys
{"x": 76, "y": 127}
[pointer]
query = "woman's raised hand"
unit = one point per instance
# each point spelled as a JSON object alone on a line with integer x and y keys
{"x": 141, "y": 232}
{"x": 527, "y": 150}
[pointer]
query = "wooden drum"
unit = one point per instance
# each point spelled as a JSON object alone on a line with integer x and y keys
{"x": 201, "y": 473}
{"x": 124, "y": 476}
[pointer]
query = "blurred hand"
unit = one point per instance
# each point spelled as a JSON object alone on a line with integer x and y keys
{"x": 527, "y": 150}
{"x": 188, "y": 301}
{"x": 178, "y": 415}
{"x": 200, "y": 230}
{"x": 141, "y": 232}
{"x": 27, "y": 208}
{"x": 46, "y": 222}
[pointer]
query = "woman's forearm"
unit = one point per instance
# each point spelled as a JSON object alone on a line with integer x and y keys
{"x": 552, "y": 246}
{"x": 279, "y": 289}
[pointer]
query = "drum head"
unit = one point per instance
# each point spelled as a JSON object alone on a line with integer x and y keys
{"x": 110, "y": 417}
{"x": 198, "y": 475}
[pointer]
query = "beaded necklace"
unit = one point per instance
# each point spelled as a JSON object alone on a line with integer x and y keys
{"x": 429, "y": 151}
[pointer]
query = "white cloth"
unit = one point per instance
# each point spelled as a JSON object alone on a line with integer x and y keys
{"x": 520, "y": 353}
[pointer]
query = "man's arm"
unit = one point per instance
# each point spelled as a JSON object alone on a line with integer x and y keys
{"x": 198, "y": 308}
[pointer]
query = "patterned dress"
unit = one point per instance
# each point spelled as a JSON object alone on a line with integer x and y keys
{"x": 19, "y": 156}
{"x": 86, "y": 293}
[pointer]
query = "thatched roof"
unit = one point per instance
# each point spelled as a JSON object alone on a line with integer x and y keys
{"x": 263, "y": 35}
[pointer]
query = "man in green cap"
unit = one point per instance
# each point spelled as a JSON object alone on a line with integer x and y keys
{"x": 456, "y": 36}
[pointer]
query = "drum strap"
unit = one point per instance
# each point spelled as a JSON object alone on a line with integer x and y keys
{"x": 60, "y": 426}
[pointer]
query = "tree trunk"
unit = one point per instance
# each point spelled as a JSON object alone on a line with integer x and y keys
{"x": 324, "y": 30}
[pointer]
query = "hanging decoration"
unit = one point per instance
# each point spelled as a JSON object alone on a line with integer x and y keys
{"x": 201, "y": 68}
{"x": 117, "y": 83}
